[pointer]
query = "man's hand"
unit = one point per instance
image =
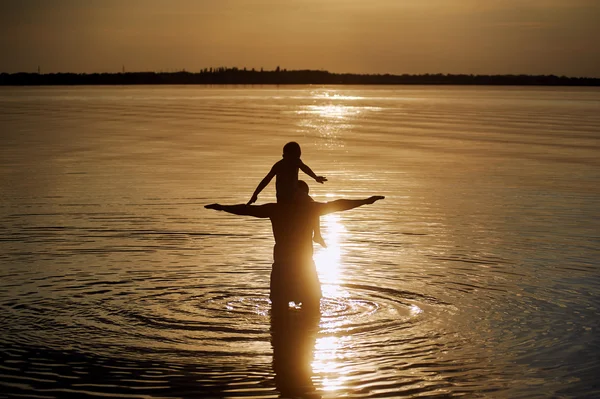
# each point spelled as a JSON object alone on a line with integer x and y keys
{"x": 216, "y": 207}
{"x": 321, "y": 179}
{"x": 252, "y": 200}
{"x": 374, "y": 198}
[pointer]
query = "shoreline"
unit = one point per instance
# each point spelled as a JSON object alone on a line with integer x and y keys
{"x": 234, "y": 76}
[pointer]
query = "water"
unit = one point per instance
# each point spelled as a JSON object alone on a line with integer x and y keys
{"x": 477, "y": 276}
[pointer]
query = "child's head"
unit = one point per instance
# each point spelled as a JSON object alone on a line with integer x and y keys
{"x": 292, "y": 150}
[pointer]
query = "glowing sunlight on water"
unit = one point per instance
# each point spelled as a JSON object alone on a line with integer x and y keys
{"x": 334, "y": 95}
{"x": 333, "y": 111}
{"x": 328, "y": 259}
{"x": 325, "y": 363}
{"x": 331, "y": 116}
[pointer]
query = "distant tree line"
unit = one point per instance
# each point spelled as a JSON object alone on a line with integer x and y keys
{"x": 279, "y": 76}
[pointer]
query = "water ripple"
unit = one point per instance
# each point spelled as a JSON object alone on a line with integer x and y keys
{"x": 476, "y": 277}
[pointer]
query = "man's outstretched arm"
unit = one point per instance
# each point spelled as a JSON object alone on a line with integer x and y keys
{"x": 345, "y": 204}
{"x": 258, "y": 211}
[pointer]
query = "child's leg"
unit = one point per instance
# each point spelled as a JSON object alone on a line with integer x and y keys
{"x": 317, "y": 233}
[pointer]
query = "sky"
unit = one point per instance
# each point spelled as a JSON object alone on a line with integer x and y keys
{"x": 557, "y": 37}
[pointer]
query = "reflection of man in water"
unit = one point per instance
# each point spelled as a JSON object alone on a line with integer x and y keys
{"x": 294, "y": 276}
{"x": 293, "y": 337}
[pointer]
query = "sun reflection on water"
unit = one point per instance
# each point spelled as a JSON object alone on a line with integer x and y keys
{"x": 333, "y": 95}
{"x": 329, "y": 266}
{"x": 330, "y": 116}
{"x": 326, "y": 363}
{"x": 330, "y": 119}
{"x": 328, "y": 260}
{"x": 332, "y": 111}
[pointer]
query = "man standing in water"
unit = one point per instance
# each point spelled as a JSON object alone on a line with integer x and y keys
{"x": 294, "y": 275}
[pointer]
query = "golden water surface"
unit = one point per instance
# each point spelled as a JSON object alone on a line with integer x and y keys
{"x": 477, "y": 276}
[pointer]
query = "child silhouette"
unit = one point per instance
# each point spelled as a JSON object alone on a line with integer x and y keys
{"x": 285, "y": 172}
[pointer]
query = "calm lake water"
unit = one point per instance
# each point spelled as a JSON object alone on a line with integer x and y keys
{"x": 477, "y": 276}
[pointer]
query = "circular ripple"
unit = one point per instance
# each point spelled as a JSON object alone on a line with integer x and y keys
{"x": 362, "y": 308}
{"x": 174, "y": 323}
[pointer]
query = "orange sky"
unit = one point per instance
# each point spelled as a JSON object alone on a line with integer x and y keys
{"x": 377, "y": 36}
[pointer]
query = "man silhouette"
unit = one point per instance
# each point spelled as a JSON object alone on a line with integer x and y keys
{"x": 294, "y": 276}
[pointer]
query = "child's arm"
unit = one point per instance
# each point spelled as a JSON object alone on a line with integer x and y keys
{"x": 263, "y": 183}
{"x": 308, "y": 171}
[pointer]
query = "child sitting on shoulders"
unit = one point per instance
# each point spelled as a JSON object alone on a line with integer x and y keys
{"x": 285, "y": 172}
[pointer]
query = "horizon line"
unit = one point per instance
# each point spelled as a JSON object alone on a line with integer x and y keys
{"x": 215, "y": 70}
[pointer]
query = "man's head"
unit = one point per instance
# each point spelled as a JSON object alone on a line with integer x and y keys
{"x": 302, "y": 192}
{"x": 303, "y": 187}
{"x": 292, "y": 150}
